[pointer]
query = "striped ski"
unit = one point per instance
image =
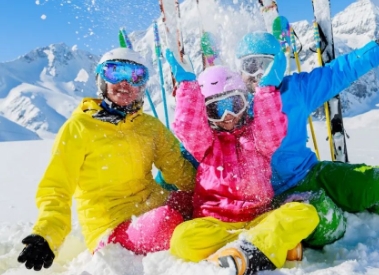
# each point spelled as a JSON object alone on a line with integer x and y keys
{"x": 171, "y": 19}
{"x": 321, "y": 10}
{"x": 208, "y": 44}
{"x": 269, "y": 11}
{"x": 170, "y": 11}
{"x": 284, "y": 33}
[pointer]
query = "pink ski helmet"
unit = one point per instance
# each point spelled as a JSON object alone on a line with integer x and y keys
{"x": 219, "y": 79}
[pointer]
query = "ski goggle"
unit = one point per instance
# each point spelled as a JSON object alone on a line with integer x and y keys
{"x": 231, "y": 102}
{"x": 117, "y": 71}
{"x": 255, "y": 65}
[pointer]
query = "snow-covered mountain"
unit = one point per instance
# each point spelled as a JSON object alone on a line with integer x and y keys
{"x": 352, "y": 28}
{"x": 39, "y": 90}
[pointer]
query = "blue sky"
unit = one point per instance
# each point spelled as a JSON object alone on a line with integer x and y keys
{"x": 93, "y": 24}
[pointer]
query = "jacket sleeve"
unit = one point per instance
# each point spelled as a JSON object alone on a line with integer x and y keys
{"x": 191, "y": 123}
{"x": 323, "y": 83}
{"x": 270, "y": 124}
{"x": 55, "y": 190}
{"x": 169, "y": 160}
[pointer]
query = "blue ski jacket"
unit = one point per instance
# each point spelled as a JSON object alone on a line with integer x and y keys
{"x": 301, "y": 94}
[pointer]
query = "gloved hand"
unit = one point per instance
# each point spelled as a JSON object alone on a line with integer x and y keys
{"x": 181, "y": 71}
{"x": 274, "y": 74}
{"x": 37, "y": 253}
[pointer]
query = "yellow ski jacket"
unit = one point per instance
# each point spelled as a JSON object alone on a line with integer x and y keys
{"x": 108, "y": 170}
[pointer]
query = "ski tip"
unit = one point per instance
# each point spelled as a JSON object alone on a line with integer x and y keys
{"x": 124, "y": 39}
{"x": 121, "y": 39}
{"x": 209, "y": 45}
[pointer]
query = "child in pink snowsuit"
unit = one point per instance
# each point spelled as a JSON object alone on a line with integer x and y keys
{"x": 233, "y": 224}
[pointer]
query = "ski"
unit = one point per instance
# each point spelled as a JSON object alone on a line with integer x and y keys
{"x": 171, "y": 19}
{"x": 284, "y": 33}
{"x": 209, "y": 48}
{"x": 208, "y": 44}
{"x": 269, "y": 11}
{"x": 201, "y": 31}
{"x": 322, "y": 15}
{"x": 170, "y": 11}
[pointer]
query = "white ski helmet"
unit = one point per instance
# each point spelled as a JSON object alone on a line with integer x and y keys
{"x": 118, "y": 54}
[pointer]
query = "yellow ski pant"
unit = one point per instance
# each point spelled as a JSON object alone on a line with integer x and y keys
{"x": 273, "y": 233}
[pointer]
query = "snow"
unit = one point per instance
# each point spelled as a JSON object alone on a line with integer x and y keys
{"x": 22, "y": 164}
{"x": 24, "y": 157}
{"x": 82, "y": 76}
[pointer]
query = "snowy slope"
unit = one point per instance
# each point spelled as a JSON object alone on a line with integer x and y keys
{"x": 22, "y": 165}
{"x": 39, "y": 90}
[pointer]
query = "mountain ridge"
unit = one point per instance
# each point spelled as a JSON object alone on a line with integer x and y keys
{"x": 39, "y": 90}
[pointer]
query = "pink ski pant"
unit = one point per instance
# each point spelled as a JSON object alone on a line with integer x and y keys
{"x": 152, "y": 231}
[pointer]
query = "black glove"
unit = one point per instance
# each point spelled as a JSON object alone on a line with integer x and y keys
{"x": 37, "y": 253}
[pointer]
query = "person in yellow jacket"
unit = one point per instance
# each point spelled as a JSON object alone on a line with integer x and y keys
{"x": 103, "y": 157}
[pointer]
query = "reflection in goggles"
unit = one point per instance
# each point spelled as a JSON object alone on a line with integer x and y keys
{"x": 256, "y": 64}
{"x": 117, "y": 71}
{"x": 232, "y": 102}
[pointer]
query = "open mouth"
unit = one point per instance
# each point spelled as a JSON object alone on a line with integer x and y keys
{"x": 229, "y": 121}
{"x": 123, "y": 91}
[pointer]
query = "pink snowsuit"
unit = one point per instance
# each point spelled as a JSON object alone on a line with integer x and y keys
{"x": 233, "y": 178}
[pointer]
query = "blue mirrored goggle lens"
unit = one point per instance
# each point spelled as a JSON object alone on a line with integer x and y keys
{"x": 115, "y": 72}
{"x": 234, "y": 104}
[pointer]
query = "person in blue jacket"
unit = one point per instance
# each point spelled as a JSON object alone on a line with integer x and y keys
{"x": 297, "y": 175}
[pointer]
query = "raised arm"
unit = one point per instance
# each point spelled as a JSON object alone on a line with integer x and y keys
{"x": 270, "y": 124}
{"x": 191, "y": 123}
{"x": 323, "y": 83}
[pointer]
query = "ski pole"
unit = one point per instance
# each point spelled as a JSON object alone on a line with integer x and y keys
{"x": 161, "y": 79}
{"x": 124, "y": 39}
{"x": 298, "y": 66}
{"x": 172, "y": 25}
{"x": 151, "y": 103}
{"x": 326, "y": 108}
{"x": 126, "y": 43}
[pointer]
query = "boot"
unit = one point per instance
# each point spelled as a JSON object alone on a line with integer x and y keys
{"x": 295, "y": 254}
{"x": 243, "y": 257}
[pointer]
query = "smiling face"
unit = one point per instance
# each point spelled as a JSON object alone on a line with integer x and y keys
{"x": 123, "y": 94}
{"x": 229, "y": 123}
{"x": 250, "y": 82}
